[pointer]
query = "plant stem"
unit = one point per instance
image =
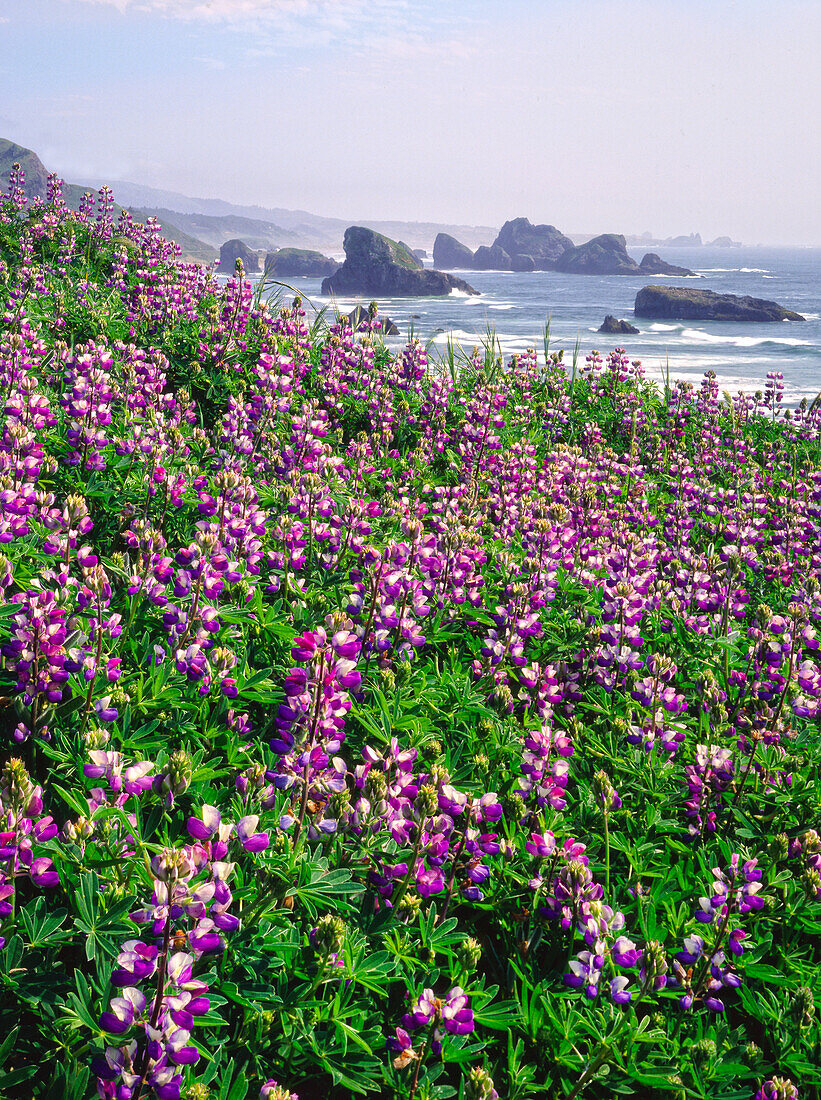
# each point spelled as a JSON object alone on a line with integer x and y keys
{"x": 419, "y": 1062}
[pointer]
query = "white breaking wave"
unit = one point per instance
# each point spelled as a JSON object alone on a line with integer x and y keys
{"x": 698, "y": 336}
{"x": 745, "y": 270}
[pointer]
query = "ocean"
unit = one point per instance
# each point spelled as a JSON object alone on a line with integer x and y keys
{"x": 515, "y": 307}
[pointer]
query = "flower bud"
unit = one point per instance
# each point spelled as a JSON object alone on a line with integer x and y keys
{"x": 410, "y": 905}
{"x": 802, "y": 1006}
{"x": 750, "y": 1054}
{"x": 777, "y": 1088}
{"x": 703, "y": 1052}
{"x": 328, "y": 936}
{"x": 468, "y": 953}
{"x": 197, "y": 1091}
{"x": 479, "y": 1085}
{"x": 778, "y": 847}
{"x": 427, "y": 800}
{"x": 810, "y": 841}
{"x": 272, "y": 1091}
{"x": 605, "y": 793}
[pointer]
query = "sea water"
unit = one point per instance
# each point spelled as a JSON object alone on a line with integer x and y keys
{"x": 515, "y": 307}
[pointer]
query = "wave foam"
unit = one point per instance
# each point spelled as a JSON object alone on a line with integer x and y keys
{"x": 698, "y": 336}
{"x": 745, "y": 270}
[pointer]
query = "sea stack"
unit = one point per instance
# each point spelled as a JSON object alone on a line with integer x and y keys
{"x": 543, "y": 244}
{"x": 376, "y": 265}
{"x": 448, "y": 253}
{"x": 235, "y": 250}
{"x": 603, "y": 255}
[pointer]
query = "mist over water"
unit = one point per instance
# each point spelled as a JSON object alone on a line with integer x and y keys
{"x": 516, "y": 306}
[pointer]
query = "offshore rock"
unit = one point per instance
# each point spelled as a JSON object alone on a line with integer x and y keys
{"x": 521, "y": 262}
{"x": 616, "y": 327}
{"x": 376, "y": 265}
{"x": 449, "y": 253}
{"x": 683, "y": 304}
{"x": 604, "y": 255}
{"x": 360, "y": 319}
{"x": 493, "y": 258}
{"x": 289, "y": 262}
{"x": 544, "y": 243}
{"x": 652, "y": 264}
{"x": 235, "y": 250}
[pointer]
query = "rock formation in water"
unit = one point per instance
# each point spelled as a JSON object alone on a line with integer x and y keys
{"x": 617, "y": 328}
{"x": 379, "y": 266}
{"x": 604, "y": 255}
{"x": 235, "y": 250}
{"x": 652, "y": 264}
{"x": 681, "y": 303}
{"x": 543, "y": 243}
{"x": 360, "y": 319}
{"x": 290, "y": 262}
{"x": 448, "y": 253}
{"x": 491, "y": 258}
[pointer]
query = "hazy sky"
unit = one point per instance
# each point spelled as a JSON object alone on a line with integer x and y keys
{"x": 595, "y": 115}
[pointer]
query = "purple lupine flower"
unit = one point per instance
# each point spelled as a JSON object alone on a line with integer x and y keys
{"x": 123, "y": 1011}
{"x": 402, "y": 1045}
{"x": 777, "y": 1088}
{"x": 249, "y": 838}
{"x": 457, "y": 1015}
{"x": 619, "y": 992}
{"x": 270, "y": 1090}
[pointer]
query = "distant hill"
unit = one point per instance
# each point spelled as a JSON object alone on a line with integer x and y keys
{"x": 216, "y": 230}
{"x": 308, "y": 230}
{"x": 36, "y": 183}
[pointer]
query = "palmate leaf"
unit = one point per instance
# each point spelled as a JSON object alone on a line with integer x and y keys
{"x": 368, "y": 970}
{"x": 41, "y": 927}
{"x": 326, "y": 889}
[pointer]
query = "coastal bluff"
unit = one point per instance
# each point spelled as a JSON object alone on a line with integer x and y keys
{"x": 680, "y": 303}
{"x": 376, "y": 265}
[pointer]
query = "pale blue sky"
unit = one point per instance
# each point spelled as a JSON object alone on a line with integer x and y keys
{"x": 596, "y": 115}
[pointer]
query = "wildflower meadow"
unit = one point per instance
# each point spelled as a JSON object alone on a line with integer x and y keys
{"x": 377, "y": 725}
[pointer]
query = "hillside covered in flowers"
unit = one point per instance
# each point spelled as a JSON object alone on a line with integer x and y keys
{"x": 378, "y": 726}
